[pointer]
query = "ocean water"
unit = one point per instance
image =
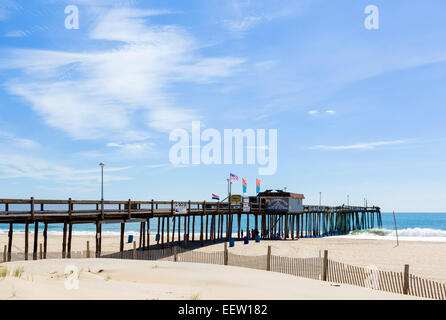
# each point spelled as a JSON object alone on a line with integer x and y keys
{"x": 411, "y": 227}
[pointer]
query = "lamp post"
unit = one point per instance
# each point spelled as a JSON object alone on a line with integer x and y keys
{"x": 348, "y": 200}
{"x": 102, "y": 180}
{"x": 229, "y": 189}
{"x": 320, "y": 199}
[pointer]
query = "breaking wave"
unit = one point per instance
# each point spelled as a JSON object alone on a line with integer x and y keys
{"x": 409, "y": 234}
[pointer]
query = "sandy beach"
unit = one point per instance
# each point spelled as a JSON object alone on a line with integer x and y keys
{"x": 426, "y": 259}
{"x": 129, "y": 279}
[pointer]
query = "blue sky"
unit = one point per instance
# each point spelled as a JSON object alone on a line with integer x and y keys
{"x": 358, "y": 112}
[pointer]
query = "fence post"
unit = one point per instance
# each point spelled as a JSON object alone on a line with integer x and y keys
{"x": 268, "y": 259}
{"x": 41, "y": 251}
{"x": 4, "y": 253}
{"x": 134, "y": 250}
{"x": 406, "y": 279}
{"x": 88, "y": 249}
{"x": 325, "y": 266}
{"x": 226, "y": 254}
{"x": 175, "y": 256}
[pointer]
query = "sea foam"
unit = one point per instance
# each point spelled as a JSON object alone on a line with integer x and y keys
{"x": 408, "y": 234}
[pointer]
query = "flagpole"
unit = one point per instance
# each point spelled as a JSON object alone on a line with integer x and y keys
{"x": 229, "y": 189}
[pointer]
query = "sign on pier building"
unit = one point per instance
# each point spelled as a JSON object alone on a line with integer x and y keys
{"x": 281, "y": 201}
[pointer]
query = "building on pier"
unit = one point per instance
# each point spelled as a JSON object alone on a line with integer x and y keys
{"x": 281, "y": 201}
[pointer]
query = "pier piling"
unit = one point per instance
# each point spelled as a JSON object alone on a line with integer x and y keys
{"x": 45, "y": 239}
{"x": 64, "y": 240}
{"x": 10, "y": 234}
{"x": 70, "y": 233}
{"x": 26, "y": 239}
{"x": 121, "y": 239}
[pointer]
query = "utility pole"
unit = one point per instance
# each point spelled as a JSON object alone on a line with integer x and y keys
{"x": 102, "y": 180}
{"x": 229, "y": 189}
{"x": 396, "y": 229}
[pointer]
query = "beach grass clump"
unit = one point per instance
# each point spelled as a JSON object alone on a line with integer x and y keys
{"x": 3, "y": 273}
{"x": 18, "y": 272}
{"x": 195, "y": 297}
{"x": 155, "y": 266}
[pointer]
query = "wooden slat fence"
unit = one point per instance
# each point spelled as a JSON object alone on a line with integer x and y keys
{"x": 252, "y": 262}
{"x": 426, "y": 288}
{"x": 302, "y": 267}
{"x": 388, "y": 281}
{"x": 202, "y": 257}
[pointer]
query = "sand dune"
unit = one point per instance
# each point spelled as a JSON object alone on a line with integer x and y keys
{"x": 128, "y": 279}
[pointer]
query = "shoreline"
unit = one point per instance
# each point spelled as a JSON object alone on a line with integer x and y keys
{"x": 409, "y": 234}
{"x": 426, "y": 259}
{"x": 361, "y": 236}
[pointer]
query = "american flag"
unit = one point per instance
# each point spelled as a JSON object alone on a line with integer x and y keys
{"x": 233, "y": 176}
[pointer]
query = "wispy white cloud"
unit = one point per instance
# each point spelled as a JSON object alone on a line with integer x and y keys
{"x": 320, "y": 113}
{"x": 11, "y": 141}
{"x": 23, "y": 161}
{"x": 105, "y": 94}
{"x": 159, "y": 165}
{"x": 361, "y": 146}
{"x": 8, "y": 6}
{"x": 133, "y": 149}
{"x": 27, "y": 32}
{"x": 239, "y": 27}
{"x": 106, "y": 3}
{"x": 25, "y": 166}
{"x": 245, "y": 15}
{"x": 16, "y": 34}
{"x": 265, "y": 65}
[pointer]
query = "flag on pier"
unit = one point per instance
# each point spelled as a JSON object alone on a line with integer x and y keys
{"x": 257, "y": 185}
{"x": 233, "y": 177}
{"x": 245, "y": 185}
{"x": 215, "y": 197}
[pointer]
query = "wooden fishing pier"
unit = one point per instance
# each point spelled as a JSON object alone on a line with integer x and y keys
{"x": 215, "y": 220}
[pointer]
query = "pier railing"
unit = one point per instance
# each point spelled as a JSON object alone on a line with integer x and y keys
{"x": 86, "y": 209}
